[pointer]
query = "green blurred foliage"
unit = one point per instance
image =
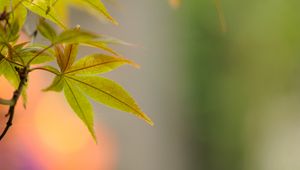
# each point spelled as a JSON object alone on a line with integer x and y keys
{"x": 233, "y": 74}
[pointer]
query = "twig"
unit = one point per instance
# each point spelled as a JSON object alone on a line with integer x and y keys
{"x": 6, "y": 102}
{"x": 23, "y": 74}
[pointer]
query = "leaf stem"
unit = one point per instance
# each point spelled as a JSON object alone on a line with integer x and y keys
{"x": 23, "y": 74}
{"x": 14, "y": 51}
{"x": 9, "y": 60}
{"x": 39, "y": 53}
{"x": 42, "y": 68}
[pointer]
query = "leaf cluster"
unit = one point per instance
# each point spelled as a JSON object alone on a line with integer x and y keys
{"x": 77, "y": 77}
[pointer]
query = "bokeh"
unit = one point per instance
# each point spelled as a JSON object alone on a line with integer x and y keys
{"x": 220, "y": 81}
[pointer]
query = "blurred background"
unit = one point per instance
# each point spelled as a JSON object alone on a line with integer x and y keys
{"x": 221, "y": 99}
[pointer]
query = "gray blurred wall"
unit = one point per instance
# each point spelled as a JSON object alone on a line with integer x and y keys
{"x": 157, "y": 86}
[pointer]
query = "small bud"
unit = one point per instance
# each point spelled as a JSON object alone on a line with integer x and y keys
{"x": 77, "y": 27}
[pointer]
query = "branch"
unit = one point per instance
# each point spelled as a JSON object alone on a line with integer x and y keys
{"x": 23, "y": 74}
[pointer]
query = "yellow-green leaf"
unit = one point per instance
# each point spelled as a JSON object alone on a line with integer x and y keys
{"x": 41, "y": 8}
{"x": 46, "y": 30}
{"x": 1, "y": 68}
{"x": 109, "y": 93}
{"x": 100, "y": 45}
{"x": 80, "y": 105}
{"x": 28, "y": 53}
{"x": 4, "y": 4}
{"x": 112, "y": 40}
{"x": 3, "y": 39}
{"x": 94, "y": 7}
{"x": 57, "y": 84}
{"x": 97, "y": 64}
{"x": 62, "y": 10}
{"x": 16, "y": 17}
{"x": 9, "y": 72}
{"x": 20, "y": 13}
{"x": 97, "y": 5}
{"x": 75, "y": 36}
{"x": 12, "y": 33}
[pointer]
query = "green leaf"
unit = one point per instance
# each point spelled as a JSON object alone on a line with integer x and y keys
{"x": 43, "y": 58}
{"x": 20, "y": 46}
{"x": 9, "y": 72}
{"x": 1, "y": 66}
{"x": 41, "y": 8}
{"x": 97, "y": 5}
{"x": 74, "y": 36}
{"x": 27, "y": 53}
{"x": 46, "y": 30}
{"x": 10, "y": 34}
{"x": 3, "y": 39}
{"x": 57, "y": 84}
{"x": 16, "y": 18}
{"x": 13, "y": 32}
{"x": 109, "y": 93}
{"x": 4, "y": 4}
{"x": 97, "y": 64}
{"x": 111, "y": 40}
{"x": 94, "y": 7}
{"x": 100, "y": 45}
{"x": 62, "y": 10}
{"x": 80, "y": 105}
{"x": 19, "y": 13}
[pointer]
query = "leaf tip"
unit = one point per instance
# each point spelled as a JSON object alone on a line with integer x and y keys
{"x": 95, "y": 138}
{"x": 147, "y": 119}
{"x": 92, "y": 132}
{"x": 115, "y": 22}
{"x": 150, "y": 122}
{"x": 111, "y": 19}
{"x": 24, "y": 105}
{"x": 133, "y": 64}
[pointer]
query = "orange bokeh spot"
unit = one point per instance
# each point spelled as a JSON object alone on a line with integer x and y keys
{"x": 58, "y": 127}
{"x": 50, "y": 135}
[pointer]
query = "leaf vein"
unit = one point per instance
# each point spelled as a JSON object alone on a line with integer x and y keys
{"x": 134, "y": 109}
{"x": 95, "y": 65}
